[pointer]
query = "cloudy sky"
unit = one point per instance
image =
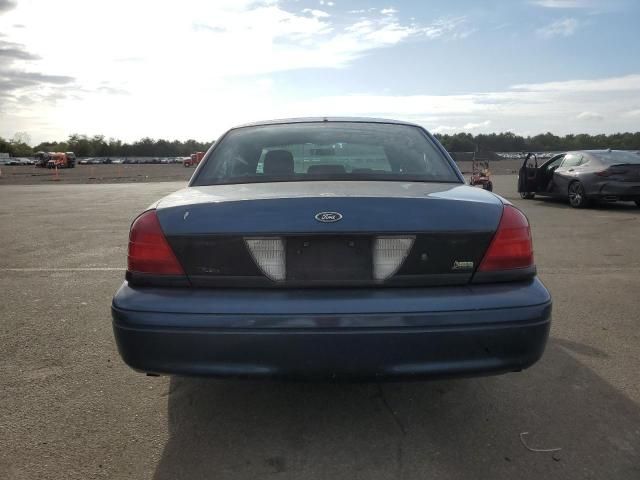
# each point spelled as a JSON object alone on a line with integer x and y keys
{"x": 193, "y": 68}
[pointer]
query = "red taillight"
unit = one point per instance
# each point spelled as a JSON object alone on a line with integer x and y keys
{"x": 511, "y": 246}
{"x": 611, "y": 171}
{"x": 149, "y": 251}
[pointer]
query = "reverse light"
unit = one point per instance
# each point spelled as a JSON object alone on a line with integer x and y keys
{"x": 149, "y": 251}
{"x": 388, "y": 255}
{"x": 511, "y": 247}
{"x": 269, "y": 254}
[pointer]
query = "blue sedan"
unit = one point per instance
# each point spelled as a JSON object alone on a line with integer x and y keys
{"x": 330, "y": 248}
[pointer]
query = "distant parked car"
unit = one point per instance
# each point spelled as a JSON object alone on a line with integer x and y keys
{"x": 376, "y": 261}
{"x": 24, "y": 161}
{"x": 583, "y": 176}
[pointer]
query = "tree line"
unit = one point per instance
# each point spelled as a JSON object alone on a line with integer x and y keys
{"x": 99, "y": 146}
{"x": 545, "y": 142}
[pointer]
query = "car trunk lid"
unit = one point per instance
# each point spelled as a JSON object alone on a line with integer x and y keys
{"x": 444, "y": 228}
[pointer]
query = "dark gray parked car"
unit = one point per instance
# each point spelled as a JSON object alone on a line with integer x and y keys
{"x": 583, "y": 176}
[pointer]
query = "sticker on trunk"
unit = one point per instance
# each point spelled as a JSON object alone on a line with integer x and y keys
{"x": 459, "y": 265}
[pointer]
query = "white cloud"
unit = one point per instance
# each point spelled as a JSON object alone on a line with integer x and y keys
{"x": 244, "y": 36}
{"x": 388, "y": 11}
{"x": 446, "y": 26}
{"x": 316, "y": 13}
{"x": 590, "y": 7}
{"x": 565, "y": 3}
{"x": 560, "y": 107}
{"x": 589, "y": 116}
{"x": 611, "y": 84}
{"x": 200, "y": 68}
{"x": 471, "y": 126}
{"x": 445, "y": 129}
{"x": 196, "y": 53}
{"x": 560, "y": 28}
{"x": 477, "y": 125}
{"x": 378, "y": 32}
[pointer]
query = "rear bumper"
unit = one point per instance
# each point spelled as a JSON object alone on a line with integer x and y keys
{"x": 623, "y": 190}
{"x": 411, "y": 342}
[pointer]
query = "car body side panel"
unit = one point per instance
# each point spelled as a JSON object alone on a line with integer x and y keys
{"x": 561, "y": 179}
{"x": 568, "y": 172}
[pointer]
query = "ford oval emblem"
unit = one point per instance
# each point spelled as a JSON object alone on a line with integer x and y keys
{"x": 328, "y": 217}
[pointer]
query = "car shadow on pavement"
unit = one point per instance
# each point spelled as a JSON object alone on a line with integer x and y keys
{"x": 464, "y": 428}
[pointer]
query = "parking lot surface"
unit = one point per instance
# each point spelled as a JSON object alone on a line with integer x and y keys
{"x": 92, "y": 174}
{"x": 69, "y": 408}
{"x": 130, "y": 173}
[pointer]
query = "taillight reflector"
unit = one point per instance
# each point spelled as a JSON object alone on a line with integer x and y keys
{"x": 511, "y": 246}
{"x": 388, "y": 255}
{"x": 149, "y": 251}
{"x": 270, "y": 255}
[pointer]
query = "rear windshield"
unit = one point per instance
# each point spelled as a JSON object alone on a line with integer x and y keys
{"x": 618, "y": 158}
{"x": 325, "y": 151}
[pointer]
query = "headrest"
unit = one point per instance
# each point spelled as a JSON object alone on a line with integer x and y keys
{"x": 278, "y": 162}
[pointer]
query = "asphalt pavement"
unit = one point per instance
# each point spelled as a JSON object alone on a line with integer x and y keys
{"x": 69, "y": 407}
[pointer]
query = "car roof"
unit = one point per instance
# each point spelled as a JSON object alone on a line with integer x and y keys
{"x": 326, "y": 119}
{"x": 601, "y": 151}
{"x": 603, "y": 155}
